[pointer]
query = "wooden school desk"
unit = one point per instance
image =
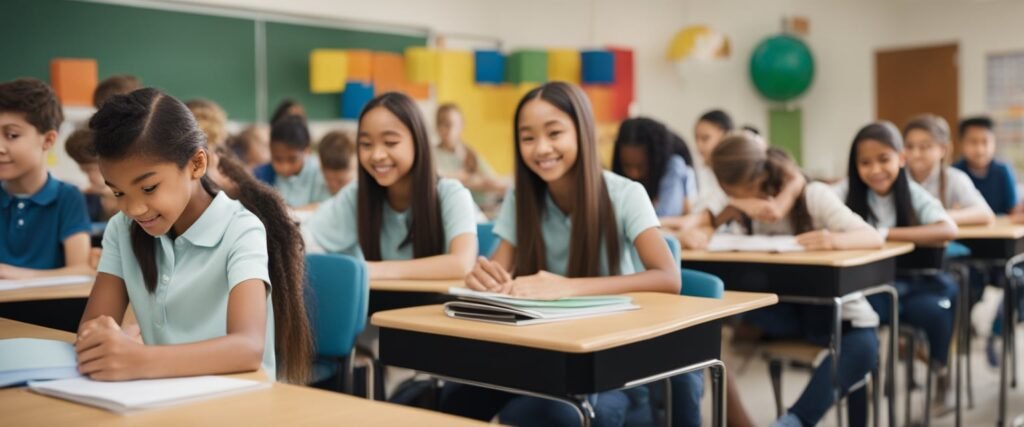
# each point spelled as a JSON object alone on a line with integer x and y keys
{"x": 58, "y": 307}
{"x": 821, "y": 277}
{"x": 565, "y": 361}
{"x": 995, "y": 245}
{"x": 392, "y": 294}
{"x": 281, "y": 404}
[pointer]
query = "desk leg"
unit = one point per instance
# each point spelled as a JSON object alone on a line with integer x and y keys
{"x": 894, "y": 325}
{"x": 585, "y": 409}
{"x": 834, "y": 348}
{"x": 1007, "y": 336}
{"x": 718, "y": 385}
{"x": 668, "y": 402}
{"x": 963, "y": 330}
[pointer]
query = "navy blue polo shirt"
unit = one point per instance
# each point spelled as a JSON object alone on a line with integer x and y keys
{"x": 33, "y": 228}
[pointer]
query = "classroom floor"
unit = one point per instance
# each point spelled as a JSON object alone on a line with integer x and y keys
{"x": 751, "y": 376}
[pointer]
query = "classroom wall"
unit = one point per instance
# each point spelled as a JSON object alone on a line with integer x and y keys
{"x": 844, "y": 35}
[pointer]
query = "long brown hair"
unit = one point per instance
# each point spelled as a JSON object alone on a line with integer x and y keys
{"x": 740, "y": 160}
{"x": 426, "y": 231}
{"x": 938, "y": 128}
{"x": 593, "y": 216}
{"x": 150, "y": 123}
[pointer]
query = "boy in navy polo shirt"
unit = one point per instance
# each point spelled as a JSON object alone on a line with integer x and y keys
{"x": 993, "y": 178}
{"x": 44, "y": 225}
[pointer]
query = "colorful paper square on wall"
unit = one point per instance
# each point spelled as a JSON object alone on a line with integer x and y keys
{"x": 489, "y": 67}
{"x": 624, "y": 88}
{"x": 598, "y": 67}
{"x": 564, "y": 65}
{"x": 527, "y": 66}
{"x": 74, "y": 80}
{"x": 601, "y": 100}
{"x": 328, "y": 70}
{"x": 360, "y": 65}
{"x": 355, "y": 97}
{"x": 420, "y": 65}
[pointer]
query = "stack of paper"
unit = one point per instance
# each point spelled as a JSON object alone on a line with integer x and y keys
{"x": 725, "y": 242}
{"x": 128, "y": 396}
{"x": 6, "y": 285}
{"x": 505, "y": 309}
{"x": 28, "y": 359}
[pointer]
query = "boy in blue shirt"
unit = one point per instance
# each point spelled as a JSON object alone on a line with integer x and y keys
{"x": 993, "y": 178}
{"x": 996, "y": 182}
{"x": 44, "y": 227}
{"x": 291, "y": 171}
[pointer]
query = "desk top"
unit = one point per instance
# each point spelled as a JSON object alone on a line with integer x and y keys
{"x": 78, "y": 290}
{"x": 434, "y": 286}
{"x": 820, "y": 258}
{"x": 1003, "y": 228}
{"x": 659, "y": 314}
{"x": 281, "y": 404}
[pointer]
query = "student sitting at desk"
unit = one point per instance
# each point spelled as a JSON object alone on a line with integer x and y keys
{"x": 746, "y": 169}
{"x": 567, "y": 229}
{"x": 44, "y": 220}
{"x": 399, "y": 216}
{"x": 194, "y": 264}
{"x": 879, "y": 189}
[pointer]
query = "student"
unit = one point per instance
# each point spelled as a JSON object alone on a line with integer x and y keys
{"x": 567, "y": 229}
{"x": 399, "y": 216}
{"x": 820, "y": 221}
{"x": 927, "y": 142}
{"x": 288, "y": 107}
{"x": 711, "y": 127}
{"x": 251, "y": 146}
{"x": 992, "y": 177}
{"x": 648, "y": 152}
{"x": 457, "y": 160}
{"x": 120, "y": 84}
{"x": 290, "y": 171}
{"x": 44, "y": 221}
{"x": 99, "y": 200}
{"x": 879, "y": 190}
{"x": 193, "y": 263}
{"x": 211, "y": 119}
{"x": 337, "y": 160}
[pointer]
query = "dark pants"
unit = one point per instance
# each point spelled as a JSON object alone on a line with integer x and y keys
{"x": 926, "y": 303}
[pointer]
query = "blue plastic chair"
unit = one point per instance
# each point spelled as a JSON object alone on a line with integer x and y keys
{"x": 486, "y": 240}
{"x": 696, "y": 283}
{"x": 337, "y": 300}
{"x": 956, "y": 250}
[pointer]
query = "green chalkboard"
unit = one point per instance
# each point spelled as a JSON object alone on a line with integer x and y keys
{"x": 188, "y": 55}
{"x": 288, "y": 48}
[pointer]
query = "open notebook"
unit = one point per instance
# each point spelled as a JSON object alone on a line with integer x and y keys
{"x": 508, "y": 310}
{"x": 129, "y": 396}
{"x": 725, "y": 242}
{"x": 6, "y": 285}
{"x": 28, "y": 359}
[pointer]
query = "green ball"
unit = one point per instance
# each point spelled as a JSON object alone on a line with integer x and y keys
{"x": 781, "y": 67}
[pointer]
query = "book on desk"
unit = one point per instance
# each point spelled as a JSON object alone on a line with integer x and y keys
{"x": 509, "y": 310}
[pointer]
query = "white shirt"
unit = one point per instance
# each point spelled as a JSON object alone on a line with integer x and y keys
{"x": 960, "y": 191}
{"x": 710, "y": 195}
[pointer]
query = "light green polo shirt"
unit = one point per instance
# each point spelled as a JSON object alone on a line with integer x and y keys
{"x": 335, "y": 227}
{"x": 304, "y": 188}
{"x": 195, "y": 274}
{"x": 633, "y": 215}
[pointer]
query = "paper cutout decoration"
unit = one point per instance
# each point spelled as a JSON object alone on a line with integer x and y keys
{"x": 564, "y": 65}
{"x": 527, "y": 66}
{"x": 420, "y": 65}
{"x": 360, "y": 65}
{"x": 598, "y": 67}
{"x": 623, "y": 89}
{"x": 489, "y": 67}
{"x": 328, "y": 70}
{"x": 355, "y": 97}
{"x": 74, "y": 80}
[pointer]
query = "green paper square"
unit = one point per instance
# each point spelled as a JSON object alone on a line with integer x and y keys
{"x": 527, "y": 66}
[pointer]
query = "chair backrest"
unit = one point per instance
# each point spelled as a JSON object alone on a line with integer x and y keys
{"x": 701, "y": 284}
{"x": 486, "y": 240}
{"x": 337, "y": 300}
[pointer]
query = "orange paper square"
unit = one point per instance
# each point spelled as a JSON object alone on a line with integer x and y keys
{"x": 360, "y": 65}
{"x": 602, "y": 101}
{"x": 74, "y": 80}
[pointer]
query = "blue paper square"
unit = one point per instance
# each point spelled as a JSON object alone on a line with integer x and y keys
{"x": 598, "y": 67}
{"x": 354, "y": 98}
{"x": 489, "y": 67}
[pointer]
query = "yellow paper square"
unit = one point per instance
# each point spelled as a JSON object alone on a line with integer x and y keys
{"x": 328, "y": 70}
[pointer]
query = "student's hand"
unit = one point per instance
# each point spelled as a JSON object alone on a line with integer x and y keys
{"x": 5, "y": 271}
{"x": 693, "y": 239}
{"x": 488, "y": 276}
{"x": 672, "y": 223}
{"x": 543, "y": 285}
{"x": 729, "y": 214}
{"x": 1015, "y": 217}
{"x": 108, "y": 353}
{"x": 764, "y": 210}
{"x": 94, "y": 258}
{"x": 818, "y": 240}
